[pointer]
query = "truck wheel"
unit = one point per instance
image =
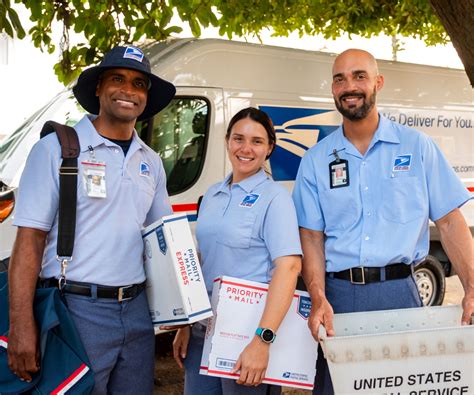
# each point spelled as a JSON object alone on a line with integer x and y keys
{"x": 431, "y": 282}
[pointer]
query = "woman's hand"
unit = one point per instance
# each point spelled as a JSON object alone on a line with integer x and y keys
{"x": 180, "y": 344}
{"x": 252, "y": 363}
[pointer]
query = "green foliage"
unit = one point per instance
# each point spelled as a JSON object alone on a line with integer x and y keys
{"x": 106, "y": 23}
{"x": 9, "y": 21}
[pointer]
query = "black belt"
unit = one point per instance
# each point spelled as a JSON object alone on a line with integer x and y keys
{"x": 119, "y": 293}
{"x": 366, "y": 275}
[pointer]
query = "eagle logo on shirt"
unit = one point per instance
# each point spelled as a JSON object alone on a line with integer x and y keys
{"x": 402, "y": 163}
{"x": 144, "y": 169}
{"x": 249, "y": 200}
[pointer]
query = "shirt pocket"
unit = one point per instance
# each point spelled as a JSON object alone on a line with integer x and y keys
{"x": 144, "y": 200}
{"x": 237, "y": 231}
{"x": 340, "y": 208}
{"x": 402, "y": 199}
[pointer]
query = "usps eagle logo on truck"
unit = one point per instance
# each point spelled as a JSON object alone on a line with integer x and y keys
{"x": 297, "y": 130}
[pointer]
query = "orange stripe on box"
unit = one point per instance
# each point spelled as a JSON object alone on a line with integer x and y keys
{"x": 470, "y": 189}
{"x": 223, "y": 373}
{"x": 184, "y": 207}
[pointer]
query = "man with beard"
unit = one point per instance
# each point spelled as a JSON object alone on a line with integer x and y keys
{"x": 364, "y": 196}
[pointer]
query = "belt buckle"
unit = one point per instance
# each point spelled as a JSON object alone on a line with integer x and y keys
{"x": 361, "y": 268}
{"x": 121, "y": 290}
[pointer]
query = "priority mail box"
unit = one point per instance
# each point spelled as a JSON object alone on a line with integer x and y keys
{"x": 238, "y": 306}
{"x": 419, "y": 351}
{"x": 175, "y": 286}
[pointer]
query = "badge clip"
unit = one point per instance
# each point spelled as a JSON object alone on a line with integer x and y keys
{"x": 338, "y": 171}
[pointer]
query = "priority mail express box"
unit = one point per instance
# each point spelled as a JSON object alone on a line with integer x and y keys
{"x": 175, "y": 286}
{"x": 238, "y": 306}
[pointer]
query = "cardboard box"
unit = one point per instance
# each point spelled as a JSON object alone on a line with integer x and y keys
{"x": 175, "y": 286}
{"x": 419, "y": 351}
{"x": 238, "y": 306}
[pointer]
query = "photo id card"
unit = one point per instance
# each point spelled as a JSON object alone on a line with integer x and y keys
{"x": 339, "y": 173}
{"x": 94, "y": 179}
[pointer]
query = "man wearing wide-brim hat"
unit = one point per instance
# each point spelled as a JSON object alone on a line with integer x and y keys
{"x": 121, "y": 189}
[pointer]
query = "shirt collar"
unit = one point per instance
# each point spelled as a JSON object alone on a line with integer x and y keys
{"x": 248, "y": 184}
{"x": 385, "y": 132}
{"x": 88, "y": 136}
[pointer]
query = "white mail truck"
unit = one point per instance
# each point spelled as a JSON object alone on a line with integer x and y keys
{"x": 217, "y": 78}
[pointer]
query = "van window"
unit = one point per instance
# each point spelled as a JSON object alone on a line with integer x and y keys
{"x": 179, "y": 137}
{"x": 15, "y": 148}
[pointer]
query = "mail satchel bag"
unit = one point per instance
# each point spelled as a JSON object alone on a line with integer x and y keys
{"x": 64, "y": 364}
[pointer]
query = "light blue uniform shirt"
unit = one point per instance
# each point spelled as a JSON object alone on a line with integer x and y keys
{"x": 382, "y": 216}
{"x": 108, "y": 247}
{"x": 242, "y": 228}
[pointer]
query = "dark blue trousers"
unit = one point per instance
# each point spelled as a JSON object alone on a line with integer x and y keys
{"x": 119, "y": 340}
{"x": 346, "y": 297}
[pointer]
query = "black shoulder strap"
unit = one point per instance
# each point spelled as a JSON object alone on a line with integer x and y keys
{"x": 68, "y": 171}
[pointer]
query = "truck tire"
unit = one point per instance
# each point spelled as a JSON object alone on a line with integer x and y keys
{"x": 431, "y": 282}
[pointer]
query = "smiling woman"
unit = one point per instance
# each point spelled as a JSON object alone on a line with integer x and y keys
{"x": 241, "y": 233}
{"x": 250, "y": 141}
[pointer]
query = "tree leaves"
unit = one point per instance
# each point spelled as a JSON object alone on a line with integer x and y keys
{"x": 106, "y": 23}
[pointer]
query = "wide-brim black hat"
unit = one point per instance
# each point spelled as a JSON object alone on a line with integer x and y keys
{"x": 160, "y": 92}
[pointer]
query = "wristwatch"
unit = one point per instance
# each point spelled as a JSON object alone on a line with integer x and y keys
{"x": 266, "y": 334}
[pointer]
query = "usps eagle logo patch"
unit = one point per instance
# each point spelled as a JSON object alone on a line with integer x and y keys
{"x": 249, "y": 200}
{"x": 134, "y": 53}
{"x": 402, "y": 163}
{"x": 144, "y": 169}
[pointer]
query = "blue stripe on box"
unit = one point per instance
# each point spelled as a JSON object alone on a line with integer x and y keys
{"x": 200, "y": 312}
{"x": 151, "y": 231}
{"x": 175, "y": 219}
{"x": 183, "y": 320}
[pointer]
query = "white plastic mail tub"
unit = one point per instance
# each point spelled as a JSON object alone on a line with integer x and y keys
{"x": 421, "y": 351}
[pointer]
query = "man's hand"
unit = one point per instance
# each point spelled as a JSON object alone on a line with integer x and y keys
{"x": 321, "y": 314}
{"x": 458, "y": 243}
{"x": 468, "y": 309}
{"x": 180, "y": 344}
{"x": 252, "y": 363}
{"x": 23, "y": 350}
{"x": 25, "y": 264}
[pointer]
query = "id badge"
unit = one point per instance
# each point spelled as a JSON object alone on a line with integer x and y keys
{"x": 339, "y": 173}
{"x": 94, "y": 179}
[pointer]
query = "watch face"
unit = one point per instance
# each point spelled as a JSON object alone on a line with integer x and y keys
{"x": 267, "y": 335}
